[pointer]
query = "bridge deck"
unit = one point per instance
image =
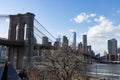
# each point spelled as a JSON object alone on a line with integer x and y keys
{"x": 9, "y": 43}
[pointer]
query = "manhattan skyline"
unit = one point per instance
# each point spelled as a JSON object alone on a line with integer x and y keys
{"x": 98, "y": 19}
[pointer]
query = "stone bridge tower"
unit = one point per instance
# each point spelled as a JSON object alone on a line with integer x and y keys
{"x": 21, "y": 28}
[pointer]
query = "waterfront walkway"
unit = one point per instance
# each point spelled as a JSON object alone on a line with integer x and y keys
{"x": 7, "y": 72}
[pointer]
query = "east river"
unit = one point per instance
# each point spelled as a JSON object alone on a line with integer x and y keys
{"x": 111, "y": 71}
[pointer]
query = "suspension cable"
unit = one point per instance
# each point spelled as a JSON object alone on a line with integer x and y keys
{"x": 41, "y": 33}
{"x": 44, "y": 28}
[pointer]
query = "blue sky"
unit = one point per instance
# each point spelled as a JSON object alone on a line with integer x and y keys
{"x": 99, "y": 19}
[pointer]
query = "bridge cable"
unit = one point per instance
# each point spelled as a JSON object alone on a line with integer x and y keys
{"x": 41, "y": 33}
{"x": 44, "y": 28}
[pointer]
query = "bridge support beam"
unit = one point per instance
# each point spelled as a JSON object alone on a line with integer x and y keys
{"x": 30, "y": 38}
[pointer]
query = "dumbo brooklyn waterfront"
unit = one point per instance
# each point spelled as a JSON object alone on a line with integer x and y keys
{"x": 60, "y": 40}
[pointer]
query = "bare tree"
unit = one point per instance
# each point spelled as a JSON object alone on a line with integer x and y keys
{"x": 62, "y": 64}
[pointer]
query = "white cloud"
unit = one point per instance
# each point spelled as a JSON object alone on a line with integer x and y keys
{"x": 92, "y": 15}
{"x": 101, "y": 32}
{"x": 83, "y": 17}
{"x": 104, "y": 28}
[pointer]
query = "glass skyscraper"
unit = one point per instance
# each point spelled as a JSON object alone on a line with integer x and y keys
{"x": 45, "y": 40}
{"x": 112, "y": 46}
{"x": 65, "y": 41}
{"x": 74, "y": 40}
{"x": 84, "y": 40}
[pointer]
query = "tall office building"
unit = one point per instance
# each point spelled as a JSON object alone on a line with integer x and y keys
{"x": 85, "y": 47}
{"x": 58, "y": 39}
{"x": 84, "y": 40}
{"x": 74, "y": 40}
{"x": 45, "y": 40}
{"x": 57, "y": 42}
{"x": 45, "y": 52}
{"x": 112, "y": 46}
{"x": 65, "y": 41}
{"x": 80, "y": 45}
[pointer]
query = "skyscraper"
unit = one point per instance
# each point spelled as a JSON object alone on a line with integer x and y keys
{"x": 85, "y": 47}
{"x": 80, "y": 45}
{"x": 65, "y": 42}
{"x": 57, "y": 42}
{"x": 84, "y": 40}
{"x": 74, "y": 40}
{"x": 45, "y": 40}
{"x": 112, "y": 46}
{"x": 58, "y": 39}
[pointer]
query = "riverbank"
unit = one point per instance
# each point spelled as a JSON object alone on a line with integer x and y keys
{"x": 104, "y": 71}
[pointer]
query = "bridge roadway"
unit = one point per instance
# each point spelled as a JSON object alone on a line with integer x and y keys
{"x": 6, "y": 42}
{"x": 93, "y": 57}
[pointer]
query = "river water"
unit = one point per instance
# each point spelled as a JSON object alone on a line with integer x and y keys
{"x": 111, "y": 71}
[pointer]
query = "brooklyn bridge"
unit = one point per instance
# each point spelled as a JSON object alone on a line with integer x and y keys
{"x": 21, "y": 42}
